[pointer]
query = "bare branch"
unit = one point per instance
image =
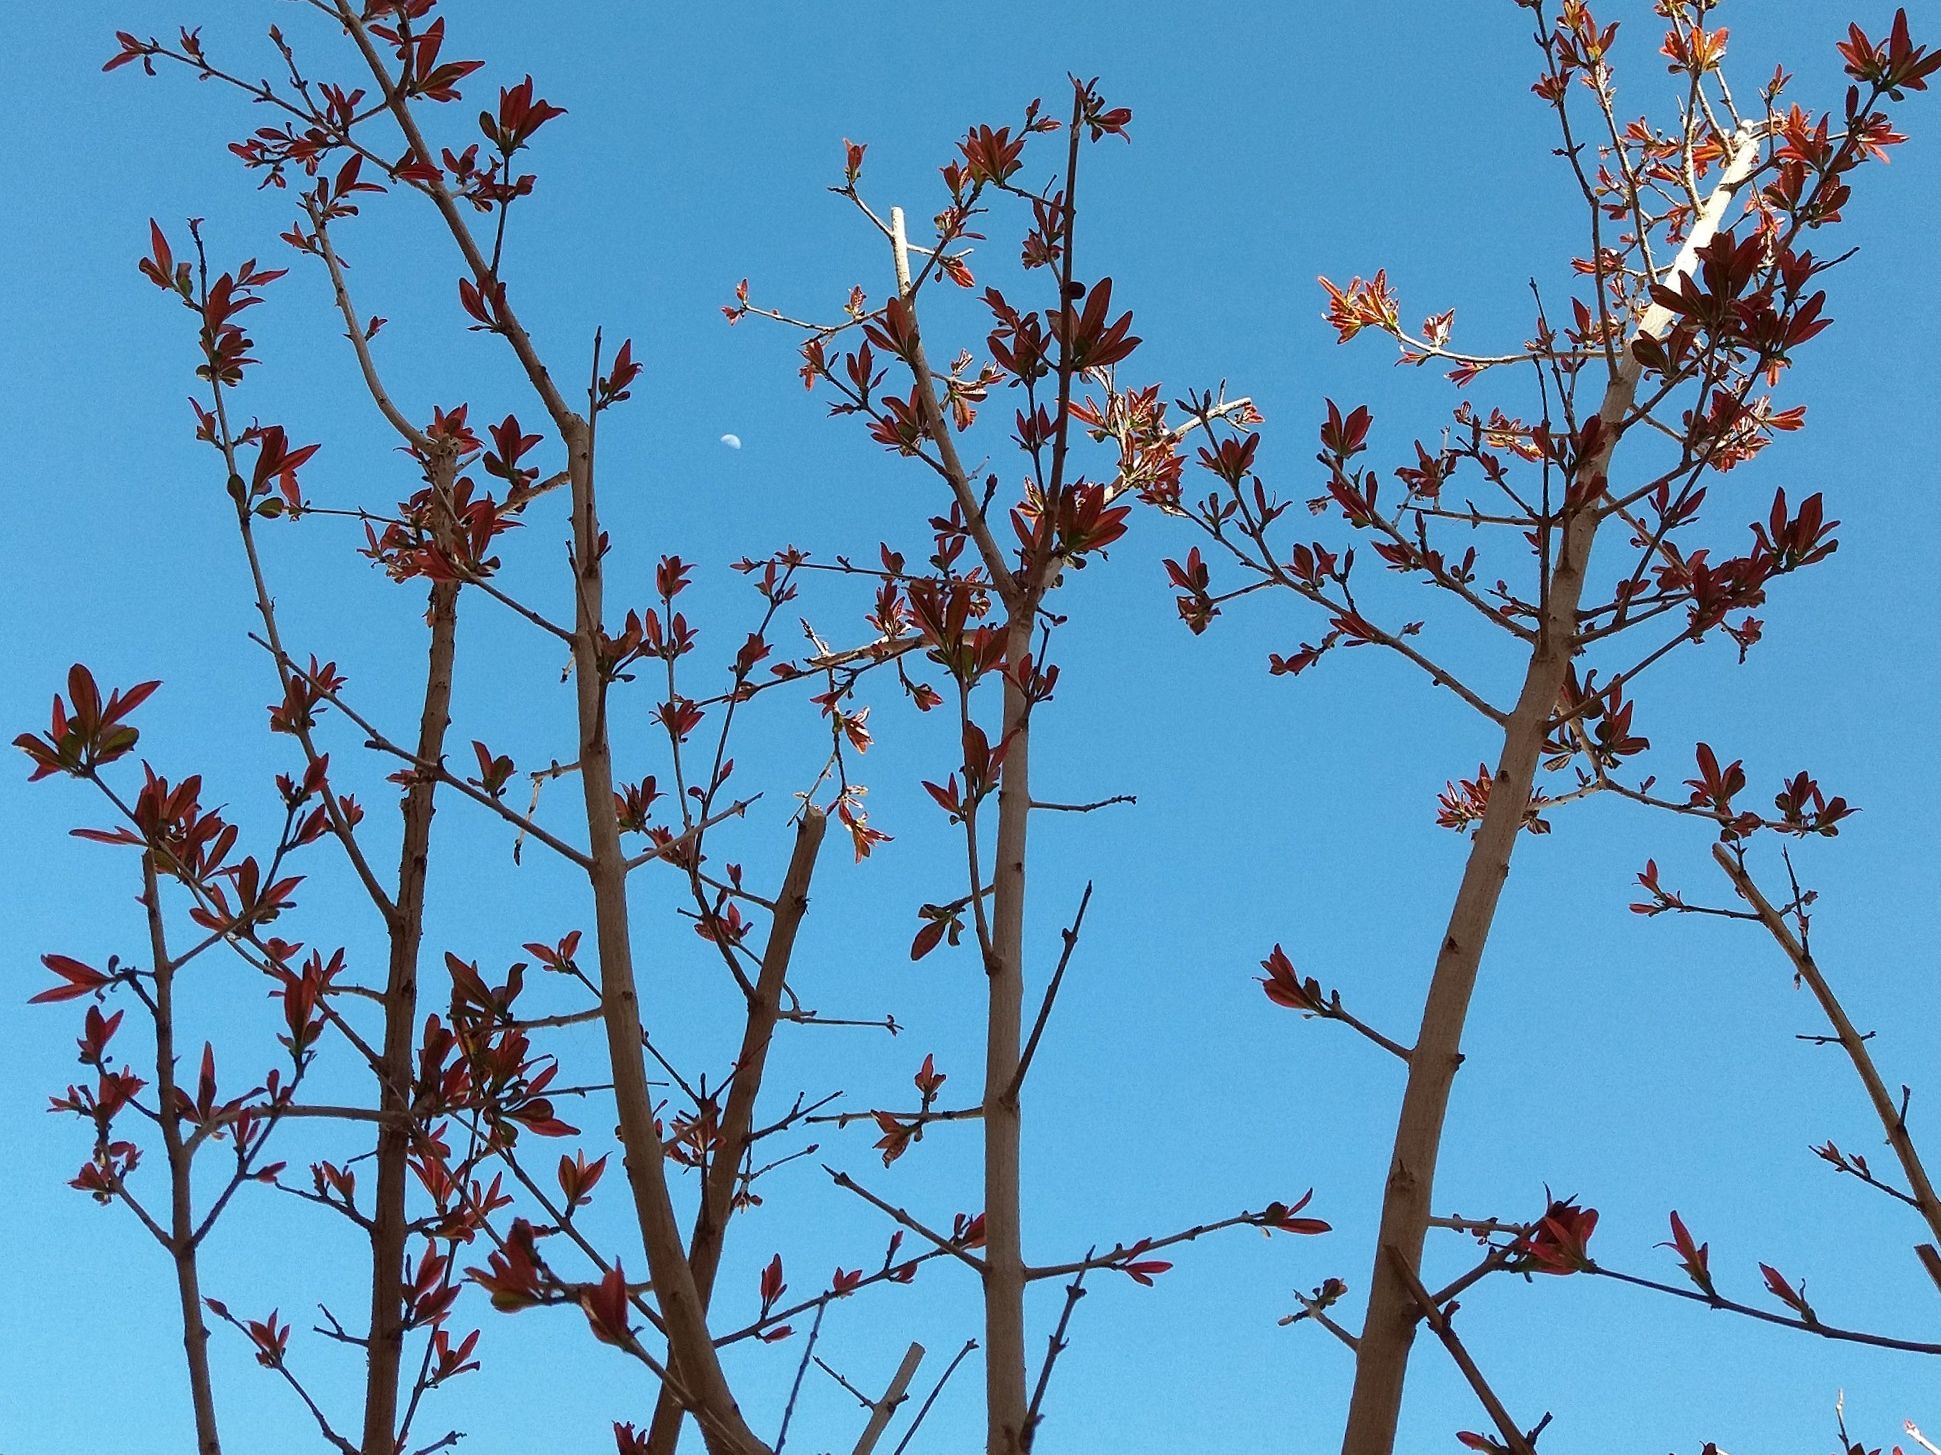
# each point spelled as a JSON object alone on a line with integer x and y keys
{"x": 931, "y": 1398}
{"x": 1437, "y": 1317}
{"x": 1892, "y": 1121}
{"x": 882, "y": 1410}
{"x": 897, "y": 1214}
{"x": 1074, "y": 1291}
{"x": 1070, "y": 937}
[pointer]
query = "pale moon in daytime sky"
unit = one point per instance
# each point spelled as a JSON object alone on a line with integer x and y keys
{"x": 732, "y": 441}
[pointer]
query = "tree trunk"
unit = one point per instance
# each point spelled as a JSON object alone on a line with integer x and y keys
{"x": 1381, "y": 1360}
{"x": 1004, "y": 1354}
{"x": 388, "y": 1221}
{"x": 703, "y": 1387}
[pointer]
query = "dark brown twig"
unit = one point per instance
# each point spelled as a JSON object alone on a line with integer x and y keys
{"x": 1074, "y": 1291}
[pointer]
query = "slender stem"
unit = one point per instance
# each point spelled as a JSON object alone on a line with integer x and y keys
{"x": 475, "y": 259}
{"x": 1085, "y": 807}
{"x": 1117, "y": 1257}
{"x": 938, "y": 428}
{"x": 1067, "y": 300}
{"x": 931, "y": 1398}
{"x": 1921, "y": 1188}
{"x": 1312, "y": 1309}
{"x": 898, "y": 1215}
{"x": 360, "y": 343}
{"x": 1332, "y": 1010}
{"x": 271, "y": 1114}
{"x": 376, "y": 740}
{"x": 801, "y": 1369}
{"x": 286, "y": 671}
{"x": 1490, "y": 1263}
{"x": 1051, "y": 991}
{"x": 1056, "y": 1345}
{"x": 1766, "y": 1316}
{"x": 899, "y": 1272}
{"x": 679, "y": 844}
{"x": 181, "y": 1241}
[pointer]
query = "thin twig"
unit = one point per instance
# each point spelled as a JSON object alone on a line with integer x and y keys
{"x": 1312, "y": 1309}
{"x": 1824, "y": 1330}
{"x": 931, "y": 1398}
{"x": 1074, "y": 1291}
{"x": 795, "y": 1389}
{"x": 438, "y": 771}
{"x": 943, "y": 1244}
{"x": 1120, "y": 1253}
{"x": 1437, "y": 1318}
{"x": 1892, "y": 1120}
{"x": 1070, "y": 937}
{"x": 675, "y": 846}
{"x": 360, "y": 341}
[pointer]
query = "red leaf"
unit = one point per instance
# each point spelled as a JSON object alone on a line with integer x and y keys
{"x": 1145, "y": 1272}
{"x": 928, "y": 938}
{"x": 772, "y": 1285}
{"x": 80, "y": 980}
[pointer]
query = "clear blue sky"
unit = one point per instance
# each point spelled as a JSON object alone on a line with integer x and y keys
{"x": 1641, "y": 1065}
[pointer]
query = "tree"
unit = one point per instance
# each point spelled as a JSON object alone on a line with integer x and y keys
{"x": 1697, "y": 285}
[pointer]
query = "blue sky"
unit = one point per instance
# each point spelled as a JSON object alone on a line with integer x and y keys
{"x": 1642, "y": 1065}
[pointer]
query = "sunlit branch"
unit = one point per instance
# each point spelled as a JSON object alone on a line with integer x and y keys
{"x": 930, "y": 1399}
{"x": 1437, "y": 1318}
{"x": 360, "y": 342}
{"x": 881, "y": 1411}
{"x": 1892, "y": 1118}
{"x": 938, "y": 428}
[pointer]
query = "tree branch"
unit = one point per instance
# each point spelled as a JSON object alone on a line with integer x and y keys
{"x": 1893, "y": 1123}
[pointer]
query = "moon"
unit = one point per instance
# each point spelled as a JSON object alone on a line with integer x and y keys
{"x": 732, "y": 441}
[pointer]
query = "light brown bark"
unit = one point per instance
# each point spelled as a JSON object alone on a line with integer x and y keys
{"x": 181, "y": 1242}
{"x": 1388, "y": 1330}
{"x": 1007, "y": 1405}
{"x": 703, "y": 1387}
{"x": 738, "y": 1117}
{"x": 1920, "y": 1186}
{"x": 385, "y": 1346}
{"x": 1004, "y": 1339}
